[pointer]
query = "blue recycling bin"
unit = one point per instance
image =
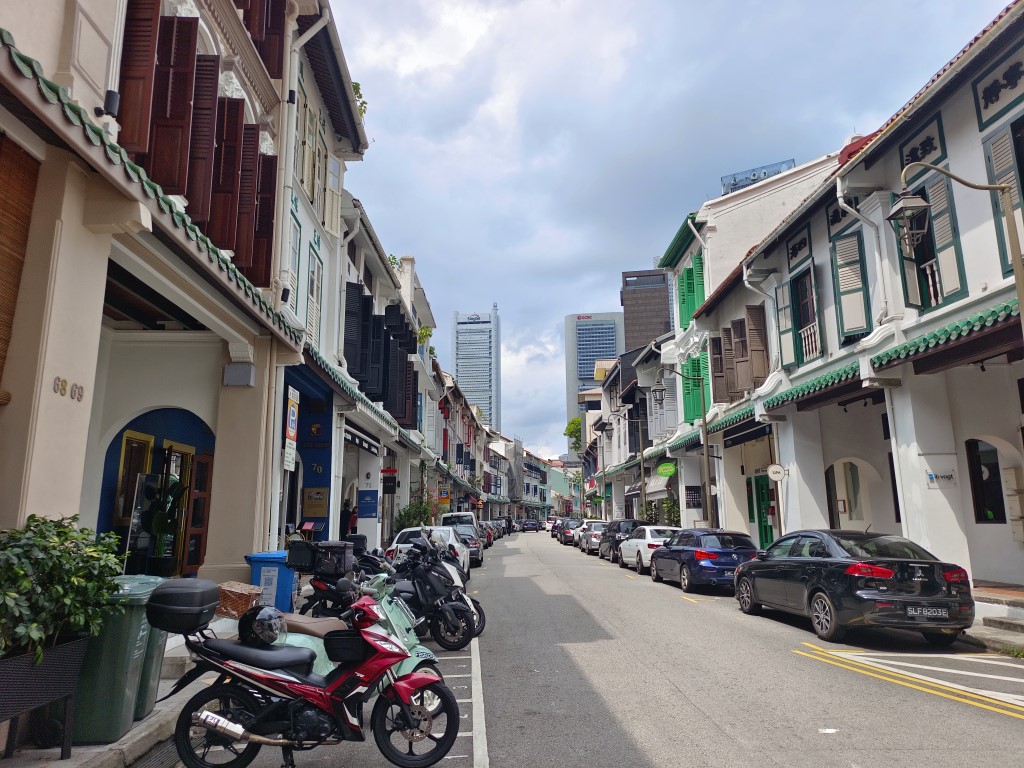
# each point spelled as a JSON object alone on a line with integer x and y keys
{"x": 278, "y": 581}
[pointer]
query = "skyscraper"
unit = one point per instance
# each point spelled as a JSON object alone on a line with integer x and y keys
{"x": 476, "y": 352}
{"x": 645, "y": 306}
{"x": 588, "y": 337}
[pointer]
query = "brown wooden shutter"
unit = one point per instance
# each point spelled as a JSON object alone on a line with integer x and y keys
{"x": 255, "y": 19}
{"x": 227, "y": 169}
{"x": 757, "y": 343}
{"x": 202, "y": 142}
{"x": 741, "y": 356}
{"x": 247, "y": 185}
{"x": 730, "y": 364}
{"x": 719, "y": 394}
{"x": 166, "y": 161}
{"x": 242, "y": 5}
{"x": 138, "y": 67}
{"x": 19, "y": 172}
{"x": 271, "y": 47}
{"x": 263, "y": 234}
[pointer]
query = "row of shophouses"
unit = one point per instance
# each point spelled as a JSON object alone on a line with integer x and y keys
{"x": 203, "y": 344}
{"x": 833, "y": 367}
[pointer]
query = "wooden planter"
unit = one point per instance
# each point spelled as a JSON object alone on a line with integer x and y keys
{"x": 26, "y": 686}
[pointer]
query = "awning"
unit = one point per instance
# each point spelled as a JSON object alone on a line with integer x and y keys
{"x": 657, "y": 487}
{"x": 633, "y": 490}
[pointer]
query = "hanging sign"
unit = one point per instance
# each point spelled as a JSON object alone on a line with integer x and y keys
{"x": 291, "y": 429}
{"x": 444, "y": 496}
{"x": 367, "y": 502}
{"x": 667, "y": 469}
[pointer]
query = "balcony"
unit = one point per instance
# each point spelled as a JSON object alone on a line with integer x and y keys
{"x": 930, "y": 271}
{"x": 810, "y": 345}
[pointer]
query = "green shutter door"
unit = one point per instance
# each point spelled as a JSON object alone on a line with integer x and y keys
{"x": 690, "y": 305}
{"x": 1002, "y": 169}
{"x": 850, "y": 277}
{"x": 688, "y": 389}
{"x": 784, "y": 310}
{"x": 684, "y": 319}
{"x": 698, "y": 279}
{"x": 944, "y": 235}
{"x": 705, "y": 374}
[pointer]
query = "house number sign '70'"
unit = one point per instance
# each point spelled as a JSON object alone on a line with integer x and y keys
{"x": 75, "y": 391}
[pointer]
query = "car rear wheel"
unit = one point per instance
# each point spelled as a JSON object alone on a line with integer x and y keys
{"x": 745, "y": 597}
{"x": 685, "y": 583}
{"x": 941, "y": 639}
{"x": 824, "y": 620}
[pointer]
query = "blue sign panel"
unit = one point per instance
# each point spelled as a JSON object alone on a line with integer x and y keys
{"x": 367, "y": 505}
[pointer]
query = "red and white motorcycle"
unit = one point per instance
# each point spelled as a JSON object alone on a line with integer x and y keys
{"x": 268, "y": 695}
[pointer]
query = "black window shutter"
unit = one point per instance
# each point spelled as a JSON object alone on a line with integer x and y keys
{"x": 353, "y": 326}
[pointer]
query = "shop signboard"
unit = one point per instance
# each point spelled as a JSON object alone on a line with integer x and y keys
{"x": 367, "y": 502}
{"x": 444, "y": 496}
{"x": 291, "y": 429}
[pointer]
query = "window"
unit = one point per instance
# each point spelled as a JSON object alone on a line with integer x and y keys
{"x": 809, "y": 546}
{"x": 781, "y": 547}
{"x": 332, "y": 202}
{"x": 934, "y": 273}
{"x": 799, "y": 340}
{"x": 309, "y": 145}
{"x": 315, "y": 297}
{"x": 1001, "y": 158}
{"x": 295, "y": 243}
{"x": 986, "y": 482}
{"x": 851, "y": 287}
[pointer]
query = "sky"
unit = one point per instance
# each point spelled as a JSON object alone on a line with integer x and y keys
{"x": 527, "y": 152}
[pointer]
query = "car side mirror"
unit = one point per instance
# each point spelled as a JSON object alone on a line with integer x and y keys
{"x": 762, "y": 554}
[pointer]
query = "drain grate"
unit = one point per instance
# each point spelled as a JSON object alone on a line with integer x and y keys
{"x": 163, "y": 755}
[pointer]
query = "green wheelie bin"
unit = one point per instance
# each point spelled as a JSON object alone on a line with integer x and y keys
{"x": 109, "y": 684}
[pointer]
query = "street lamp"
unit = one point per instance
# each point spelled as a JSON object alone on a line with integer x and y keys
{"x": 910, "y": 212}
{"x": 640, "y": 453}
{"x": 658, "y": 391}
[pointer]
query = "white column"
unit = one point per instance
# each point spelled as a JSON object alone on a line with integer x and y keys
{"x": 804, "y": 500}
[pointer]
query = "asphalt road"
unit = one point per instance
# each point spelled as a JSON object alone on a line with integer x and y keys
{"x": 585, "y": 664}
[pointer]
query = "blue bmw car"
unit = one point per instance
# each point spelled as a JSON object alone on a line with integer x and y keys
{"x": 696, "y": 556}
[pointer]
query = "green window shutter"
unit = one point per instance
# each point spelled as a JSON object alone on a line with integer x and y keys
{"x": 705, "y": 374}
{"x": 817, "y": 319}
{"x": 850, "y": 275}
{"x": 909, "y": 273}
{"x": 688, "y": 408}
{"x": 690, "y": 305}
{"x": 946, "y": 239}
{"x": 684, "y": 319}
{"x": 1002, "y": 169}
{"x": 784, "y": 310}
{"x": 698, "y": 279}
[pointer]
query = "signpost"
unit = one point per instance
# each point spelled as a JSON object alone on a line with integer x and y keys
{"x": 291, "y": 429}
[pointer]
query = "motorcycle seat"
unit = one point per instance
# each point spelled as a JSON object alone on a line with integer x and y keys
{"x": 405, "y": 587}
{"x": 298, "y": 660}
{"x": 301, "y": 624}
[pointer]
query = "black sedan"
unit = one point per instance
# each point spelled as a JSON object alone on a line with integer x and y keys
{"x": 701, "y": 556}
{"x": 844, "y": 579}
{"x": 529, "y": 525}
{"x": 567, "y": 527}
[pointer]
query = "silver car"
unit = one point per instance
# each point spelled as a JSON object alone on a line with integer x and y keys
{"x": 471, "y": 538}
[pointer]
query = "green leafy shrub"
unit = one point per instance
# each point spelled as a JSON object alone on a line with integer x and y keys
{"x": 55, "y": 581}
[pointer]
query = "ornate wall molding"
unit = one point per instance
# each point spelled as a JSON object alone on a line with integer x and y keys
{"x": 247, "y": 63}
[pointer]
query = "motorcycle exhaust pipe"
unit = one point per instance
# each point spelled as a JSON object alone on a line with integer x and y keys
{"x": 220, "y": 724}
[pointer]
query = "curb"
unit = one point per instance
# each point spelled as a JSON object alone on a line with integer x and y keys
{"x": 992, "y": 639}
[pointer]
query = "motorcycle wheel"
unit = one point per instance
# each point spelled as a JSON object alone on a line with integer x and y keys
{"x": 199, "y": 747}
{"x": 481, "y": 619}
{"x": 448, "y": 639}
{"x": 428, "y": 698}
{"x": 425, "y": 744}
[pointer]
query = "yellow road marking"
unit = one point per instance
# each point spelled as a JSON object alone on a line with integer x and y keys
{"x": 895, "y": 678}
{"x": 630, "y": 577}
{"x": 690, "y": 599}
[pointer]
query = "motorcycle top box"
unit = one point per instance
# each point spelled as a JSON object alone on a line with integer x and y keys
{"x": 322, "y": 558}
{"x": 182, "y": 606}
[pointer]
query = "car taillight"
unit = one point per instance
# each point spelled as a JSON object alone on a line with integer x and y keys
{"x": 871, "y": 571}
{"x": 391, "y": 553}
{"x": 453, "y": 550}
{"x": 653, "y": 545}
{"x": 703, "y": 554}
{"x": 956, "y": 575}
{"x": 595, "y": 535}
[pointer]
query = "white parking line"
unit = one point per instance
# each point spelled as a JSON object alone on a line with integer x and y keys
{"x": 480, "y": 756}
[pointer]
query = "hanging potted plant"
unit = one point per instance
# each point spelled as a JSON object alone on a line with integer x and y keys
{"x": 56, "y": 581}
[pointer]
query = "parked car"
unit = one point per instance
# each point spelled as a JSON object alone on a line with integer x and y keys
{"x": 852, "y": 578}
{"x": 590, "y": 540}
{"x": 443, "y": 533}
{"x": 530, "y": 525}
{"x": 701, "y": 556}
{"x": 487, "y": 533}
{"x": 568, "y": 525}
{"x": 577, "y": 534}
{"x": 637, "y": 548}
{"x": 547, "y": 524}
{"x": 471, "y": 538}
{"x": 613, "y": 535}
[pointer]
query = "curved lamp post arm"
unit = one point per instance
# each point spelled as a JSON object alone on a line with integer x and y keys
{"x": 953, "y": 176}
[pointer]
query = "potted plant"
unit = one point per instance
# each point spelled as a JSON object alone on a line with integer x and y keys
{"x": 164, "y": 525}
{"x": 56, "y": 582}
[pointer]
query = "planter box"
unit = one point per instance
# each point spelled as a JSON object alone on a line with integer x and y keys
{"x": 27, "y": 686}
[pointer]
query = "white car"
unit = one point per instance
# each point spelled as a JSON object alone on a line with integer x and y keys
{"x": 578, "y": 533}
{"x": 590, "y": 541}
{"x": 443, "y": 533}
{"x": 635, "y": 551}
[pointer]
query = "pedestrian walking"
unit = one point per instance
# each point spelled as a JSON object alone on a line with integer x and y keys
{"x": 346, "y": 518}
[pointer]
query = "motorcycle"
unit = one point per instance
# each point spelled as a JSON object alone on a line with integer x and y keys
{"x": 267, "y": 696}
{"x": 443, "y": 557}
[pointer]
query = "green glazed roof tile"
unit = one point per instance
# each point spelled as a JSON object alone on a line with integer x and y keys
{"x": 685, "y": 441}
{"x": 78, "y": 116}
{"x": 999, "y": 313}
{"x": 733, "y": 418}
{"x": 839, "y": 375}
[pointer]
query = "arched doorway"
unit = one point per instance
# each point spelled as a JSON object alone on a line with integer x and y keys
{"x": 858, "y": 498}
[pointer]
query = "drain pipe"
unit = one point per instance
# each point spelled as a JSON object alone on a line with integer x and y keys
{"x": 882, "y": 274}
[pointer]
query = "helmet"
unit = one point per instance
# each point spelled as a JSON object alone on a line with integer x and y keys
{"x": 262, "y": 626}
{"x": 420, "y": 546}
